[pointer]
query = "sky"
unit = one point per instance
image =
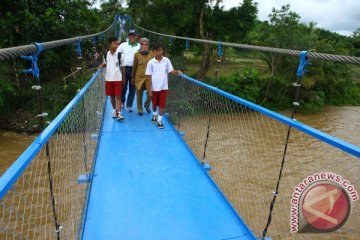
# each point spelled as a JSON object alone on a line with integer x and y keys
{"x": 341, "y": 16}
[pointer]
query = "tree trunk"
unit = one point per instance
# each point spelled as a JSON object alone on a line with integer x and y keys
{"x": 270, "y": 80}
{"x": 205, "y": 61}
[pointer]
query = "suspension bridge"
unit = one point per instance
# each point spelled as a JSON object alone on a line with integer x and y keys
{"x": 205, "y": 176}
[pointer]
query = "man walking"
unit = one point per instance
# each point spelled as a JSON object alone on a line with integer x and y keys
{"x": 128, "y": 50}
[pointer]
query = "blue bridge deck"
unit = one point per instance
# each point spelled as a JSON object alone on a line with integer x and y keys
{"x": 148, "y": 185}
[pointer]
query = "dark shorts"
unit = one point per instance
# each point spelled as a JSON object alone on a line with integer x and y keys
{"x": 159, "y": 98}
{"x": 113, "y": 88}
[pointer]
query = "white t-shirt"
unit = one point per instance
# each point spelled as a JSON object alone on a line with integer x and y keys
{"x": 128, "y": 51}
{"x": 113, "y": 72}
{"x": 159, "y": 73}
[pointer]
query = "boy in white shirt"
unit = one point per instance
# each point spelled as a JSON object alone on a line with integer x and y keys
{"x": 157, "y": 71}
{"x": 113, "y": 77}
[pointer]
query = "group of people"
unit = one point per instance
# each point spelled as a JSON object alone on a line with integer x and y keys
{"x": 132, "y": 66}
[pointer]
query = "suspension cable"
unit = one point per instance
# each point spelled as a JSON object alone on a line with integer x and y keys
{"x": 13, "y": 52}
{"x": 313, "y": 55}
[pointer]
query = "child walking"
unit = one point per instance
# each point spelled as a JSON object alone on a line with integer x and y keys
{"x": 113, "y": 77}
{"x": 157, "y": 71}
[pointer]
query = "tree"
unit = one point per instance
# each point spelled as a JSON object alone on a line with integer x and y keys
{"x": 283, "y": 30}
{"x": 24, "y": 22}
{"x": 197, "y": 19}
{"x": 232, "y": 25}
{"x": 355, "y": 43}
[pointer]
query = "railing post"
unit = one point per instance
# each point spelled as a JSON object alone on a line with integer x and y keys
{"x": 41, "y": 116}
{"x": 300, "y": 73}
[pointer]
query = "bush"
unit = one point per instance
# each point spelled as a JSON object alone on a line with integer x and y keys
{"x": 246, "y": 85}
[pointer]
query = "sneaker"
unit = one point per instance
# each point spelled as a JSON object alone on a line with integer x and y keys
{"x": 120, "y": 117}
{"x": 153, "y": 119}
{"x": 140, "y": 113}
{"x": 115, "y": 114}
{"x": 129, "y": 109}
{"x": 160, "y": 125}
{"x": 148, "y": 109}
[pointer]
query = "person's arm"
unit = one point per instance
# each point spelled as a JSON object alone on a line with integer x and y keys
{"x": 123, "y": 75}
{"x": 176, "y": 72}
{"x": 134, "y": 69}
{"x": 103, "y": 64}
{"x": 171, "y": 70}
{"x": 148, "y": 79}
{"x": 148, "y": 73}
{"x": 120, "y": 50}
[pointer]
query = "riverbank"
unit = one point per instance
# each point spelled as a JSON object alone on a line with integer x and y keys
{"x": 20, "y": 121}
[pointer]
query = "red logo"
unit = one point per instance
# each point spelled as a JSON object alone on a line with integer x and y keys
{"x": 325, "y": 207}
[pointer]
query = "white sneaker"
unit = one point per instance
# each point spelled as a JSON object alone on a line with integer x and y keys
{"x": 114, "y": 114}
{"x": 129, "y": 109}
{"x": 120, "y": 117}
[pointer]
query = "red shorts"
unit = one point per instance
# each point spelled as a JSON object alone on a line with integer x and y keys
{"x": 113, "y": 88}
{"x": 159, "y": 98}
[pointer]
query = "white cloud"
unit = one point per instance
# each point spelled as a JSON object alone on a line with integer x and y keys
{"x": 342, "y": 16}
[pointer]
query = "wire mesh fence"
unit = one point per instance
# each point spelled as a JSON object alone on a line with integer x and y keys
{"x": 244, "y": 147}
{"x": 27, "y": 211}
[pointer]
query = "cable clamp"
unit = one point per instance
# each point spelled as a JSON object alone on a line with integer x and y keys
{"x": 303, "y": 62}
{"x": 78, "y": 48}
{"x": 275, "y": 193}
{"x": 296, "y": 103}
{"x": 170, "y": 41}
{"x": 297, "y": 85}
{"x": 187, "y": 44}
{"x": 34, "y": 70}
{"x": 220, "y": 52}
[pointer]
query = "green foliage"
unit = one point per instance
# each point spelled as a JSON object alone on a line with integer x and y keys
{"x": 246, "y": 85}
{"x": 314, "y": 102}
{"x": 355, "y": 43}
{"x": 7, "y": 92}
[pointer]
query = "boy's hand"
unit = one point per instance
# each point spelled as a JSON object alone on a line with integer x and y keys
{"x": 179, "y": 72}
{"x": 150, "y": 93}
{"x": 133, "y": 81}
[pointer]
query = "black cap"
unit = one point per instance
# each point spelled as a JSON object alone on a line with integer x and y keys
{"x": 132, "y": 31}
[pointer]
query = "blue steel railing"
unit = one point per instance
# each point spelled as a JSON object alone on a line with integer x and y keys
{"x": 336, "y": 142}
{"x": 64, "y": 152}
{"x": 16, "y": 169}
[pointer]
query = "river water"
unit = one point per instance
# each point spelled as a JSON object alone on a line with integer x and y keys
{"x": 11, "y": 146}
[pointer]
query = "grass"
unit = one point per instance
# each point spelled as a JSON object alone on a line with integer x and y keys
{"x": 228, "y": 66}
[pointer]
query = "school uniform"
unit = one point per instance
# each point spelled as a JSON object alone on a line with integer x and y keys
{"x": 159, "y": 71}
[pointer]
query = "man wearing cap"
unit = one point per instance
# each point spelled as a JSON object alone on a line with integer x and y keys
{"x": 128, "y": 50}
